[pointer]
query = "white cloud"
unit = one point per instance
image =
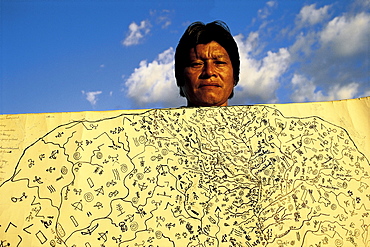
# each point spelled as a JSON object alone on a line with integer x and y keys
{"x": 91, "y": 96}
{"x": 362, "y": 3}
{"x": 266, "y": 11}
{"x": 154, "y": 82}
{"x": 166, "y": 24}
{"x": 335, "y": 56}
{"x": 136, "y": 33}
{"x": 343, "y": 92}
{"x": 302, "y": 46}
{"x": 347, "y": 35}
{"x": 271, "y": 3}
{"x": 259, "y": 79}
{"x": 306, "y": 90}
{"x": 310, "y": 15}
{"x": 162, "y": 17}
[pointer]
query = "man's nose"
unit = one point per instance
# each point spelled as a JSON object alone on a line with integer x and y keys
{"x": 208, "y": 70}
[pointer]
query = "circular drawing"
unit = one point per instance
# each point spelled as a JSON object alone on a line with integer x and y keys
{"x": 64, "y": 170}
{"x": 134, "y": 226}
{"x": 158, "y": 234}
{"x": 89, "y": 197}
{"x": 124, "y": 168}
{"x": 139, "y": 176}
{"x": 99, "y": 155}
{"x": 77, "y": 156}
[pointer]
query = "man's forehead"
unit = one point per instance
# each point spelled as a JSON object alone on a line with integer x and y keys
{"x": 212, "y": 50}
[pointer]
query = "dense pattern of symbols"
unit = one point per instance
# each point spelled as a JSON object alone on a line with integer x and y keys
{"x": 227, "y": 176}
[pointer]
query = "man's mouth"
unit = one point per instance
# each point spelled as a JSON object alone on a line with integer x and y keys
{"x": 209, "y": 85}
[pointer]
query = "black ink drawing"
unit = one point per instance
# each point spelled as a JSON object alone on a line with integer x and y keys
{"x": 228, "y": 176}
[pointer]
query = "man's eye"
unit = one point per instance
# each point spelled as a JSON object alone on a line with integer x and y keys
{"x": 196, "y": 65}
{"x": 220, "y": 62}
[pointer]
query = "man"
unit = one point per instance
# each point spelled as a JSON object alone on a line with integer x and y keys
{"x": 207, "y": 64}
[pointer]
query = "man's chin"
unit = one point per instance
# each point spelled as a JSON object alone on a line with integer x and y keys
{"x": 209, "y": 101}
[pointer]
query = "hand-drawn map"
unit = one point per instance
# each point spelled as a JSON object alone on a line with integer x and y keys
{"x": 224, "y": 176}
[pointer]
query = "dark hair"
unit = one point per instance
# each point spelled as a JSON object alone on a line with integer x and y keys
{"x": 200, "y": 33}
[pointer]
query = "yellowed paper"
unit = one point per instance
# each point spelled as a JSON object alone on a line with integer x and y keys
{"x": 263, "y": 175}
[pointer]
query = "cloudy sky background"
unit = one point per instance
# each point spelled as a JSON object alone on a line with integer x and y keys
{"x": 59, "y": 56}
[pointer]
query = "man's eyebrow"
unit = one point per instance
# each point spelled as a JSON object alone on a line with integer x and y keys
{"x": 214, "y": 56}
{"x": 196, "y": 56}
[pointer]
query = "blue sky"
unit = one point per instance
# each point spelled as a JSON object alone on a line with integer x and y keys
{"x": 61, "y": 56}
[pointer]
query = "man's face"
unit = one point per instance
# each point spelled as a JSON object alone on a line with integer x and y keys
{"x": 209, "y": 78}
